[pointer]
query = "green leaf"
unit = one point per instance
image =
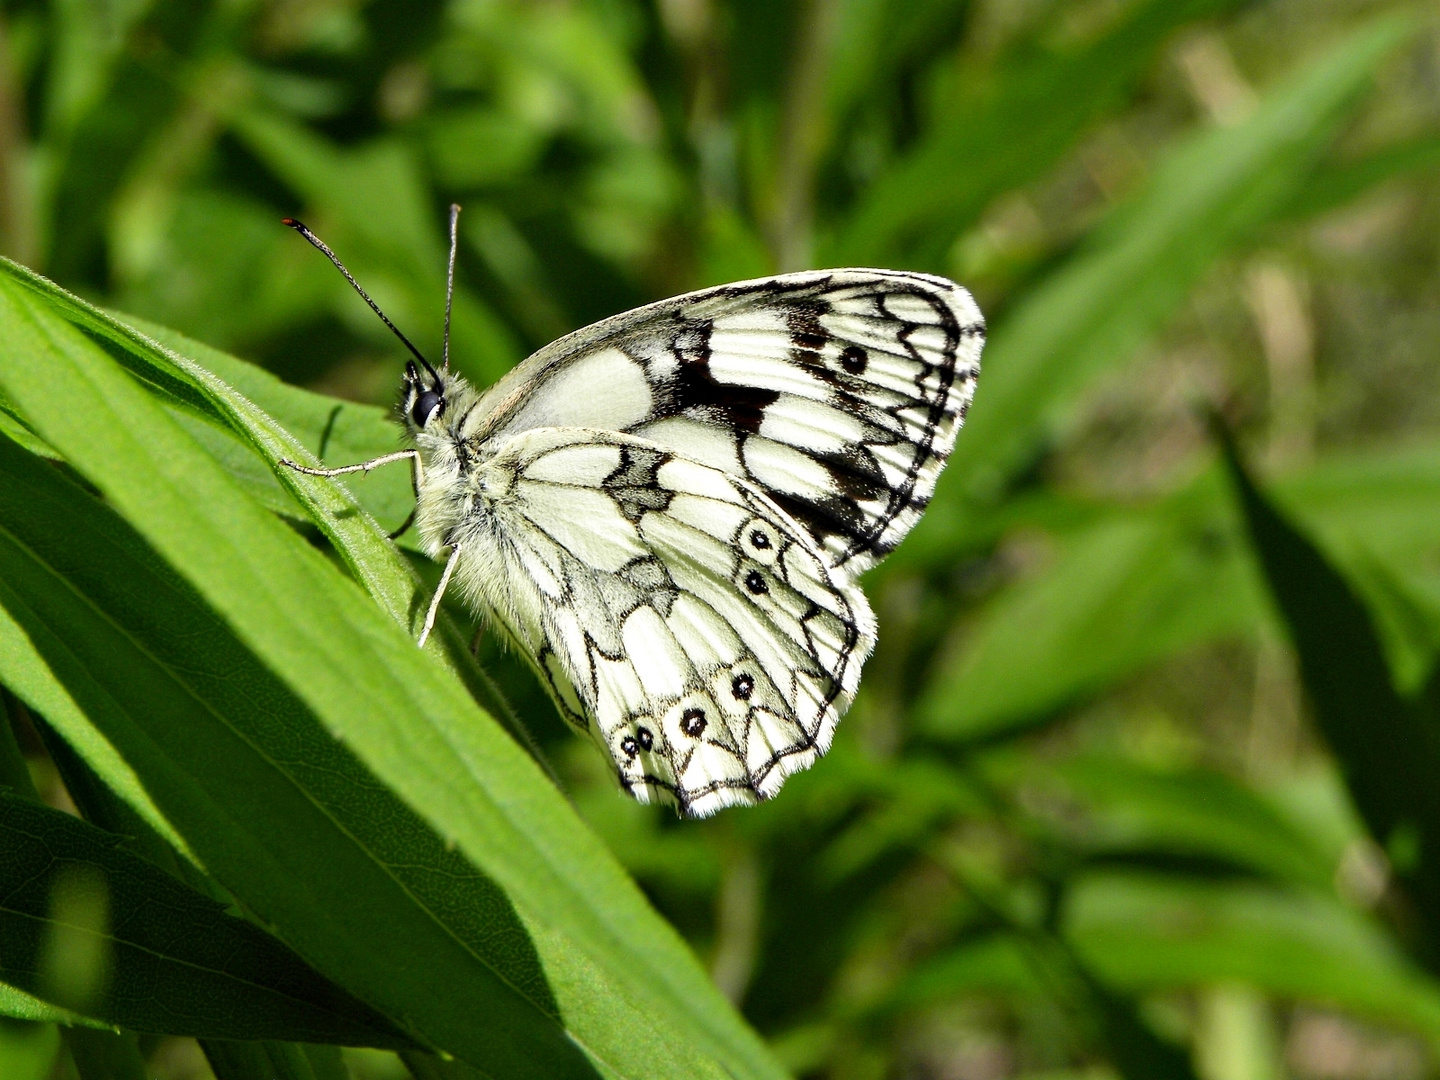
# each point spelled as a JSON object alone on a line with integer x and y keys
{"x": 14, "y": 772}
{"x": 336, "y": 431}
{"x": 1131, "y": 809}
{"x": 1205, "y": 197}
{"x": 105, "y": 1055}
{"x": 1334, "y": 184}
{"x": 622, "y": 984}
{"x": 273, "y": 1061}
{"x": 910, "y": 799}
{"x": 28, "y": 674}
{"x": 1374, "y": 516}
{"x": 179, "y": 964}
{"x": 190, "y": 389}
{"x": 28, "y": 1050}
{"x": 875, "y": 41}
{"x": 1006, "y": 134}
{"x": 994, "y": 963}
{"x": 1129, "y": 586}
{"x": 18, "y": 1005}
{"x": 1035, "y": 965}
{"x": 124, "y": 657}
{"x": 1119, "y": 595}
{"x": 399, "y": 255}
{"x": 1137, "y": 1052}
{"x": 1389, "y": 757}
{"x": 1144, "y": 932}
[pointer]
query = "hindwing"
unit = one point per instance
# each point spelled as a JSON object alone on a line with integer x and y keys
{"x": 673, "y": 609}
{"x": 837, "y": 393}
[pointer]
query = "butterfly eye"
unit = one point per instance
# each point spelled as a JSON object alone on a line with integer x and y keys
{"x": 427, "y": 406}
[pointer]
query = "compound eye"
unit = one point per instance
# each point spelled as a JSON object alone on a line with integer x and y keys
{"x": 427, "y": 406}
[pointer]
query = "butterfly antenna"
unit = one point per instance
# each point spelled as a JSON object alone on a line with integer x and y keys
{"x": 450, "y": 278}
{"x": 324, "y": 249}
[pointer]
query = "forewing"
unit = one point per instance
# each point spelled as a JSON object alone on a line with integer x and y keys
{"x": 675, "y": 612}
{"x": 838, "y": 393}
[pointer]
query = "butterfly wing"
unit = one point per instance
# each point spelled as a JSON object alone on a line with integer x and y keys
{"x": 837, "y": 393}
{"x": 673, "y": 610}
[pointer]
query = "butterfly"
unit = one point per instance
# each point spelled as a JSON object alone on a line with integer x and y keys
{"x": 666, "y": 512}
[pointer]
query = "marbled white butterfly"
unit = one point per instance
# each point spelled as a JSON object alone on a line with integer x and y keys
{"x": 667, "y": 511}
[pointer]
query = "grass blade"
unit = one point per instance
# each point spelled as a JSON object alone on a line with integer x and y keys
{"x": 623, "y": 982}
{"x": 178, "y": 964}
{"x": 1153, "y": 933}
{"x": 1389, "y": 758}
{"x": 1012, "y": 134}
{"x": 1093, "y": 315}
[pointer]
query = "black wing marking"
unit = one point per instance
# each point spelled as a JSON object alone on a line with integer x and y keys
{"x": 672, "y": 610}
{"x": 838, "y": 393}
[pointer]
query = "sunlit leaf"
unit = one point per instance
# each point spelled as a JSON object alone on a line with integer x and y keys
{"x": 1146, "y": 932}
{"x": 348, "y": 668}
{"x": 1005, "y": 134}
{"x": 1206, "y": 196}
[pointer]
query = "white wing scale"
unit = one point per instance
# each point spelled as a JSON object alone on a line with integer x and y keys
{"x": 677, "y": 605}
{"x": 667, "y": 511}
{"x": 836, "y": 392}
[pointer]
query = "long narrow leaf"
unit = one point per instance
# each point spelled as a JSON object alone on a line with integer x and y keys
{"x": 117, "y": 653}
{"x": 1146, "y": 932}
{"x": 1389, "y": 757}
{"x": 622, "y": 980}
{"x": 1208, "y": 195}
{"x": 178, "y": 964}
{"x": 1013, "y": 133}
{"x": 190, "y": 388}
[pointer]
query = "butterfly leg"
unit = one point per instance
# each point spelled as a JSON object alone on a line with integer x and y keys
{"x": 439, "y": 592}
{"x": 364, "y": 466}
{"x": 409, "y": 520}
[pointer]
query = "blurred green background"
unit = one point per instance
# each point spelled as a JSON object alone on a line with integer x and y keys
{"x": 1139, "y": 782}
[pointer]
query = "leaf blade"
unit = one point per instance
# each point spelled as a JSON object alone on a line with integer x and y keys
{"x": 1206, "y": 196}
{"x": 406, "y": 718}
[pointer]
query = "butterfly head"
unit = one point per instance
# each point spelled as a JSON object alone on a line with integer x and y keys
{"x": 423, "y": 396}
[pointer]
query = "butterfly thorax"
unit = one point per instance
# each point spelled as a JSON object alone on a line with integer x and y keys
{"x": 452, "y": 452}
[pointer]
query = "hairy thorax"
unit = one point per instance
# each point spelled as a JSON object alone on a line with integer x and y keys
{"x": 450, "y": 500}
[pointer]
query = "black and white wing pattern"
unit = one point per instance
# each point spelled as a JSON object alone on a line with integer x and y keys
{"x": 837, "y": 393}
{"x": 672, "y": 608}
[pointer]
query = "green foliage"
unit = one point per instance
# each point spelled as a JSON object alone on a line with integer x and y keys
{"x": 1076, "y": 814}
{"x": 1206, "y": 196}
{"x": 176, "y": 963}
{"x": 199, "y": 604}
{"x": 1386, "y": 743}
